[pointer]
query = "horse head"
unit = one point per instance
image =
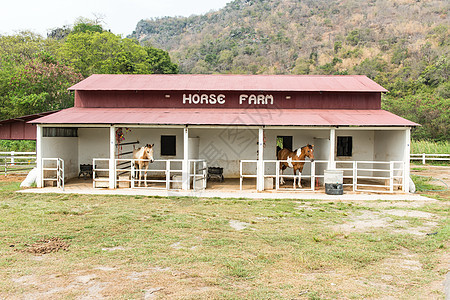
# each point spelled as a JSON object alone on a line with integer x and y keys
{"x": 148, "y": 152}
{"x": 308, "y": 151}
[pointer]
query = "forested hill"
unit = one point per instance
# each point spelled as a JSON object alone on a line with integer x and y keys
{"x": 402, "y": 44}
{"x": 302, "y": 36}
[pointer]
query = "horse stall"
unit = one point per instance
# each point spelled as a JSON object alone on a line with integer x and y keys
{"x": 223, "y": 148}
{"x": 167, "y": 156}
{"x": 164, "y": 172}
{"x": 293, "y": 139}
{"x": 58, "y": 144}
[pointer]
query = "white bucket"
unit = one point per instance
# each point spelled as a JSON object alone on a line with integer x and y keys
{"x": 334, "y": 176}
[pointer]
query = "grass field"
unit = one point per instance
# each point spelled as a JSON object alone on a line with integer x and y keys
{"x": 185, "y": 248}
{"x": 429, "y": 147}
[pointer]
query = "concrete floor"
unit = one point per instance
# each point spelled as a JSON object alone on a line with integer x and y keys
{"x": 228, "y": 189}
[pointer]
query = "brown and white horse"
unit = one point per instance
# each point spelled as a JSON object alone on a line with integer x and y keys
{"x": 143, "y": 156}
{"x": 293, "y": 156}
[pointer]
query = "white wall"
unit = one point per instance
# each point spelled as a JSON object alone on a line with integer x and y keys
{"x": 153, "y": 136}
{"x": 225, "y": 147}
{"x": 92, "y": 143}
{"x": 363, "y": 144}
{"x": 390, "y": 145}
{"x": 321, "y": 152}
{"x": 65, "y": 148}
{"x": 362, "y": 149}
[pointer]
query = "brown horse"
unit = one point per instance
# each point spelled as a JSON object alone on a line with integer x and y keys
{"x": 293, "y": 156}
{"x": 142, "y": 157}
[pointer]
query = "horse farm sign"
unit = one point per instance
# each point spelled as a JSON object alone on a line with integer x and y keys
{"x": 220, "y": 99}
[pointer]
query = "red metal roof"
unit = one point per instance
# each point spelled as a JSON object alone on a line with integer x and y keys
{"x": 185, "y": 82}
{"x": 19, "y": 129}
{"x": 225, "y": 116}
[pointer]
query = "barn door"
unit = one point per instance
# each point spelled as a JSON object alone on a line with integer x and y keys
{"x": 283, "y": 142}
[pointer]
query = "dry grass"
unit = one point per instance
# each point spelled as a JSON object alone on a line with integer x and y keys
{"x": 184, "y": 248}
{"x": 430, "y": 147}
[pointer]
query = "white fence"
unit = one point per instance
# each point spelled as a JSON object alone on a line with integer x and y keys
{"x": 373, "y": 176}
{"x": 161, "y": 174}
{"x": 361, "y": 176}
{"x": 198, "y": 171}
{"x": 100, "y": 172}
{"x": 432, "y": 157}
{"x": 53, "y": 172}
{"x": 17, "y": 162}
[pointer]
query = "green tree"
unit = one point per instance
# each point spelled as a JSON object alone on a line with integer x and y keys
{"x": 39, "y": 85}
{"x": 106, "y": 53}
{"x": 31, "y": 78}
{"x": 431, "y": 112}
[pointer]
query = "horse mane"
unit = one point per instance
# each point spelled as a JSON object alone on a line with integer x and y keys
{"x": 298, "y": 151}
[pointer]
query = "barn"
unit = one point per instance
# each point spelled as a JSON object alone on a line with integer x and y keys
{"x": 206, "y": 128}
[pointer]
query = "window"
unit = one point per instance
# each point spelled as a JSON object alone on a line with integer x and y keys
{"x": 60, "y": 132}
{"x": 168, "y": 145}
{"x": 284, "y": 142}
{"x": 344, "y": 146}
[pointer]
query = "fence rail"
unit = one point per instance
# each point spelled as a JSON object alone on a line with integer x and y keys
{"x": 362, "y": 176}
{"x": 432, "y": 157}
{"x": 161, "y": 174}
{"x": 17, "y": 162}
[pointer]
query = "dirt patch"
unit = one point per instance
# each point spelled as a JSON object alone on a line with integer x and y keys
{"x": 409, "y": 213}
{"x": 370, "y": 220}
{"x": 26, "y": 280}
{"x": 399, "y": 204}
{"x": 238, "y": 225}
{"x": 438, "y": 172}
{"x": 406, "y": 264}
{"x": 45, "y": 246}
{"x": 114, "y": 248}
{"x": 367, "y": 220}
{"x": 12, "y": 178}
{"x": 151, "y": 293}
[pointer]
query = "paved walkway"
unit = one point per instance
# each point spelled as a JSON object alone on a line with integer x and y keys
{"x": 233, "y": 194}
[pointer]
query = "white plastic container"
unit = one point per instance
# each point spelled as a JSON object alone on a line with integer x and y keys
{"x": 334, "y": 176}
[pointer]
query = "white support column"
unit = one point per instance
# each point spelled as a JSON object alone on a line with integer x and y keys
{"x": 406, "y": 159}
{"x": 39, "y": 166}
{"x": 331, "y": 161}
{"x": 260, "y": 165}
{"x": 112, "y": 156}
{"x": 185, "y": 172}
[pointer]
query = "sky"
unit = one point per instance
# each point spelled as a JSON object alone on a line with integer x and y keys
{"x": 120, "y": 16}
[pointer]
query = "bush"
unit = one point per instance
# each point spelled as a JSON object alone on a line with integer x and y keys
{"x": 428, "y": 110}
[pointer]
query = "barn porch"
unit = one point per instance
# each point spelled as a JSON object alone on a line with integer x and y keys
{"x": 79, "y": 186}
{"x": 198, "y": 147}
{"x": 249, "y": 185}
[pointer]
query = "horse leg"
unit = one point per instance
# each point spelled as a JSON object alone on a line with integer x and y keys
{"x": 139, "y": 175}
{"x": 136, "y": 172}
{"x": 295, "y": 174}
{"x": 299, "y": 179}
{"x": 145, "y": 175}
{"x": 282, "y": 168}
